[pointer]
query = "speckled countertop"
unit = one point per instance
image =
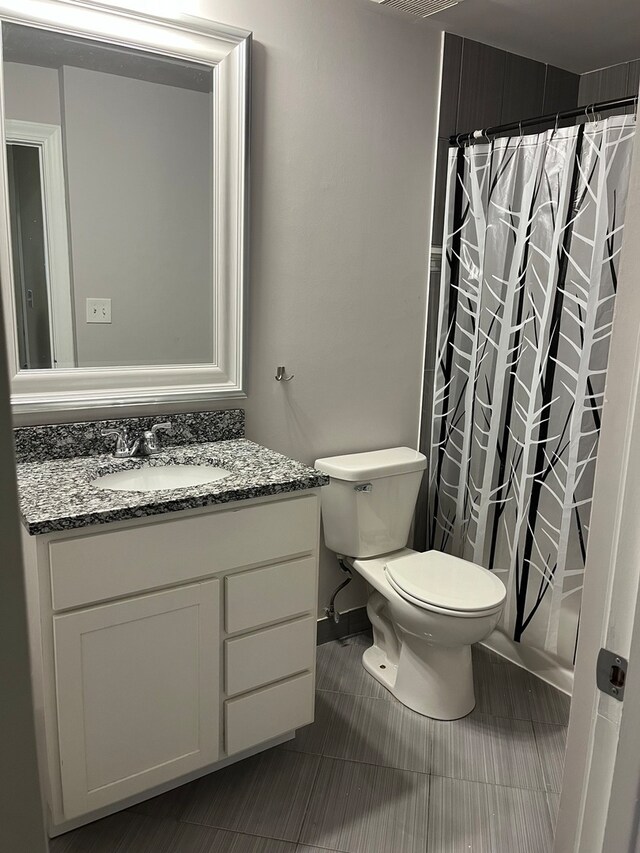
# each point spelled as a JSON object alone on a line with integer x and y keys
{"x": 58, "y": 494}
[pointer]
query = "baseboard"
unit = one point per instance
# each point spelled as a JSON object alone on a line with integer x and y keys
{"x": 351, "y": 622}
{"x": 541, "y": 664}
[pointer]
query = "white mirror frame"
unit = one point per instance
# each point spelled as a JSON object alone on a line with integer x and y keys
{"x": 227, "y": 50}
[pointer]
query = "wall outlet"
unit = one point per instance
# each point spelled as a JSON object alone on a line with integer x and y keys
{"x": 98, "y": 310}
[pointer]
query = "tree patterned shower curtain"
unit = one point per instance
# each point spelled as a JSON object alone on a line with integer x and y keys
{"x": 533, "y": 236}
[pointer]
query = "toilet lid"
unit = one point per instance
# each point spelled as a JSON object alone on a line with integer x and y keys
{"x": 444, "y": 581}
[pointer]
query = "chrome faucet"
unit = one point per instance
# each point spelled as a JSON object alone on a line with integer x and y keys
{"x": 124, "y": 446}
{"x": 144, "y": 445}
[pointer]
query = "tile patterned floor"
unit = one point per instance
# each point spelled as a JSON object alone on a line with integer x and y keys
{"x": 370, "y": 776}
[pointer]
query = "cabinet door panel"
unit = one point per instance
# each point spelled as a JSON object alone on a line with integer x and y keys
{"x": 137, "y": 685}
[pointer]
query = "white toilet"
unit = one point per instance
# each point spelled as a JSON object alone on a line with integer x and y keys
{"x": 426, "y": 608}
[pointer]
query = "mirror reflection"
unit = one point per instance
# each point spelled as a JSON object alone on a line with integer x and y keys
{"x": 110, "y": 163}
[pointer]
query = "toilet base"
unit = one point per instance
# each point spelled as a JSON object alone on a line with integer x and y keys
{"x": 435, "y": 681}
{"x": 375, "y": 661}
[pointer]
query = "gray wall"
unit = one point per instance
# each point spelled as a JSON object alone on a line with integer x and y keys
{"x": 138, "y": 171}
{"x": 344, "y": 118}
{"x": 31, "y": 93}
{"x": 138, "y": 163}
{"x": 21, "y": 808}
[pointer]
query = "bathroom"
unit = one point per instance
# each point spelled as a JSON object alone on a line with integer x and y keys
{"x": 339, "y": 136}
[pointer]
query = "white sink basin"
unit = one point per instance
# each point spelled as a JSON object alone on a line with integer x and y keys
{"x": 153, "y": 478}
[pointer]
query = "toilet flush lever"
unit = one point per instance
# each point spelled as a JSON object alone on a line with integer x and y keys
{"x": 363, "y": 487}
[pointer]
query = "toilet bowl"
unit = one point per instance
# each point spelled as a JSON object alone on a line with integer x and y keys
{"x": 426, "y": 609}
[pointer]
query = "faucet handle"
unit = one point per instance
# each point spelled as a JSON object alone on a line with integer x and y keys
{"x": 150, "y": 446}
{"x": 122, "y": 441}
{"x": 166, "y": 426}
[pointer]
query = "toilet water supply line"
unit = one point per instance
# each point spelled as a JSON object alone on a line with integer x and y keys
{"x": 331, "y": 611}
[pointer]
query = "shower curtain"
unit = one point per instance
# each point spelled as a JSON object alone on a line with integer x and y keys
{"x": 530, "y": 258}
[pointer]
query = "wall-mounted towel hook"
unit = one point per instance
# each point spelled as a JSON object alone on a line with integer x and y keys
{"x": 281, "y": 375}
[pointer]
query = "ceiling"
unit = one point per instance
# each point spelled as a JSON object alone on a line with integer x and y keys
{"x": 578, "y": 35}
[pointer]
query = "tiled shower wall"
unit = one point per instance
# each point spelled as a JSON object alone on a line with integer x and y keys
{"x": 481, "y": 86}
{"x": 617, "y": 81}
{"x": 484, "y": 86}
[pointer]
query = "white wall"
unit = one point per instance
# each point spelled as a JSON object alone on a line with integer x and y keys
{"x": 344, "y": 124}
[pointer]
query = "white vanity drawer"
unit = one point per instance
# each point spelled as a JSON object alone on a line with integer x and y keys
{"x": 117, "y": 563}
{"x": 269, "y": 655}
{"x": 269, "y": 712}
{"x": 270, "y": 594}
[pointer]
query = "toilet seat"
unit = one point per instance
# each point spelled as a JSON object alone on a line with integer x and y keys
{"x": 445, "y": 584}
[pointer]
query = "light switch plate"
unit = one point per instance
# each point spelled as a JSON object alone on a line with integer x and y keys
{"x": 98, "y": 310}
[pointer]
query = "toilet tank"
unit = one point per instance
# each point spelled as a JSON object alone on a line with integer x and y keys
{"x": 368, "y": 506}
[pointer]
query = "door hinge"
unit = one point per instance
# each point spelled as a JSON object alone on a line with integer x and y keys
{"x": 611, "y": 673}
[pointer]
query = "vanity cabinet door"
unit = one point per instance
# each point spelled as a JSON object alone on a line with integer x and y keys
{"x": 137, "y": 685}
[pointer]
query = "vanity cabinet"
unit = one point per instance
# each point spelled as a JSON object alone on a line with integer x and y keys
{"x": 168, "y": 646}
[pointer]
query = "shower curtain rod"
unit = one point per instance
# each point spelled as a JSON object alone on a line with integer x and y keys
{"x": 474, "y": 135}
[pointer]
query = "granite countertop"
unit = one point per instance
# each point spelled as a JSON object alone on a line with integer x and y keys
{"x": 57, "y": 494}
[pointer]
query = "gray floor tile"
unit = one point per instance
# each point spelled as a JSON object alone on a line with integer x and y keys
{"x": 376, "y": 731}
{"x": 487, "y": 749}
{"x": 339, "y": 668}
{"x": 552, "y": 743}
{"x": 483, "y": 654}
{"x": 266, "y": 795}
{"x": 304, "y": 848}
{"x": 458, "y": 817}
{"x": 466, "y": 816}
{"x": 503, "y": 690}
{"x": 132, "y": 833}
{"x": 169, "y": 805}
{"x": 358, "y": 808}
{"x": 507, "y": 690}
{"x": 102, "y": 836}
{"x": 519, "y": 820}
{"x": 312, "y": 738}
{"x": 548, "y": 704}
{"x": 553, "y": 801}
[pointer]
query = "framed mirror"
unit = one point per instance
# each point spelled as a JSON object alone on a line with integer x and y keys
{"x": 123, "y": 175}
